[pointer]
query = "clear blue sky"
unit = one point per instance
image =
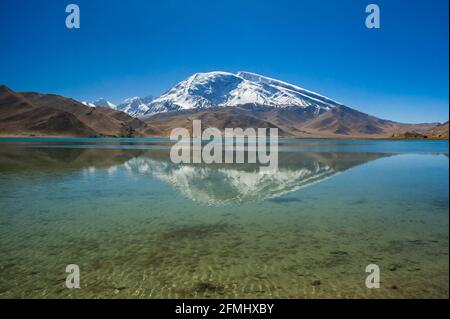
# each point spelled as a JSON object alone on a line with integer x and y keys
{"x": 132, "y": 47}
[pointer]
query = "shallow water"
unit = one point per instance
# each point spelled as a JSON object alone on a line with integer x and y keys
{"x": 140, "y": 226}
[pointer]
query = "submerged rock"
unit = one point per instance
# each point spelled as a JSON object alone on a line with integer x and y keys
{"x": 316, "y": 282}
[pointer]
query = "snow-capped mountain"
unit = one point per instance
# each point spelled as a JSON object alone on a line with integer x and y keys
{"x": 135, "y": 106}
{"x": 214, "y": 89}
{"x": 104, "y": 103}
{"x": 88, "y": 104}
{"x": 100, "y": 103}
{"x": 205, "y": 90}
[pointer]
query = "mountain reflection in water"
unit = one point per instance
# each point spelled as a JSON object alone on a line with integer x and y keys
{"x": 141, "y": 226}
{"x": 212, "y": 184}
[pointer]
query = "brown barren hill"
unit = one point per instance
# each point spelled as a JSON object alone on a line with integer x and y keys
{"x": 439, "y": 131}
{"x": 36, "y": 114}
{"x": 339, "y": 122}
{"x": 219, "y": 117}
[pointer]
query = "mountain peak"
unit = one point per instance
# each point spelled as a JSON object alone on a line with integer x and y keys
{"x": 101, "y": 102}
{"x": 135, "y": 106}
{"x": 219, "y": 88}
{"x": 132, "y": 99}
{"x": 204, "y": 90}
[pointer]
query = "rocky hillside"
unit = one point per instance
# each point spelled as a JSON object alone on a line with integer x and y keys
{"x": 36, "y": 114}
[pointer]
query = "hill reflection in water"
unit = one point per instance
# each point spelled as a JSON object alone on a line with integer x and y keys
{"x": 212, "y": 184}
{"x": 141, "y": 226}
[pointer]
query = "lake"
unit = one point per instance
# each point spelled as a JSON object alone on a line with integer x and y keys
{"x": 140, "y": 226}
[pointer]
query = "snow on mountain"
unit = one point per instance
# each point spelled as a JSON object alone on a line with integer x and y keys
{"x": 104, "y": 103}
{"x": 204, "y": 90}
{"x": 135, "y": 106}
{"x": 212, "y": 89}
{"x": 100, "y": 103}
{"x": 88, "y": 104}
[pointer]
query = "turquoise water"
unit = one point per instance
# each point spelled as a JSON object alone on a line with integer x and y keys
{"x": 140, "y": 226}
